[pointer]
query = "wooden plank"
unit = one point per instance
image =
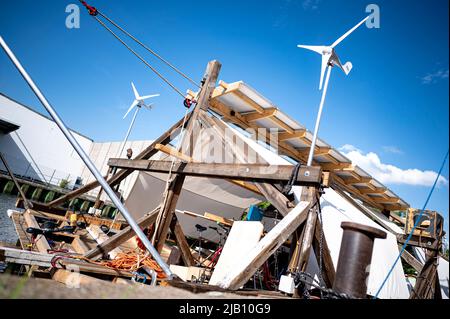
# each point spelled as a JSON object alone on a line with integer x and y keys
{"x": 246, "y": 267}
{"x": 275, "y": 197}
{"x": 79, "y": 246}
{"x": 208, "y": 216}
{"x": 173, "y": 152}
{"x": 173, "y": 193}
{"x": 44, "y": 260}
{"x": 244, "y": 235}
{"x": 307, "y": 175}
{"x": 122, "y": 236}
{"x": 74, "y": 279}
{"x": 122, "y": 174}
{"x": 328, "y": 270}
{"x": 182, "y": 243}
{"x": 298, "y": 134}
{"x": 20, "y": 227}
{"x": 300, "y": 258}
{"x": 40, "y": 242}
{"x": 411, "y": 260}
{"x": 254, "y": 116}
{"x": 100, "y": 237}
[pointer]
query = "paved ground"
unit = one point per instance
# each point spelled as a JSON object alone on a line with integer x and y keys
{"x": 7, "y": 231}
{"x": 34, "y": 288}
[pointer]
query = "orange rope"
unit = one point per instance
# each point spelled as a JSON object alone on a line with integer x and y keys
{"x": 133, "y": 261}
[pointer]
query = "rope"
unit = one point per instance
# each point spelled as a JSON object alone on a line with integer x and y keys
{"x": 140, "y": 58}
{"x": 150, "y": 50}
{"x": 94, "y": 13}
{"x": 414, "y": 227}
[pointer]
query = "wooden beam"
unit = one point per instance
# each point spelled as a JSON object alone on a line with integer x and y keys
{"x": 208, "y": 216}
{"x": 172, "y": 194}
{"x": 40, "y": 242}
{"x": 318, "y": 151}
{"x": 167, "y": 149}
{"x": 246, "y": 267}
{"x": 386, "y": 200}
{"x": 334, "y": 166}
{"x": 275, "y": 197}
{"x": 122, "y": 236}
{"x": 182, "y": 243}
{"x": 361, "y": 180}
{"x": 100, "y": 237}
{"x": 373, "y": 191}
{"x": 248, "y": 100}
{"x": 247, "y": 172}
{"x": 122, "y": 174}
{"x": 254, "y": 116}
{"x": 328, "y": 270}
{"x": 411, "y": 260}
{"x": 298, "y": 134}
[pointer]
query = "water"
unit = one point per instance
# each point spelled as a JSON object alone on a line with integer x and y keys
{"x": 7, "y": 230}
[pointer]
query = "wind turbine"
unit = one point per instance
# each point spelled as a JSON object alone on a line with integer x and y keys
{"x": 329, "y": 60}
{"x": 138, "y": 103}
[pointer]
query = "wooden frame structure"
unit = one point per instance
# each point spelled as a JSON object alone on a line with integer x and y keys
{"x": 240, "y": 105}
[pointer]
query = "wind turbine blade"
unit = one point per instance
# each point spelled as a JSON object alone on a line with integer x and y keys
{"x": 136, "y": 94}
{"x": 316, "y": 48}
{"x": 325, "y": 59}
{"x": 135, "y": 102}
{"x": 148, "y": 96}
{"x": 349, "y": 32}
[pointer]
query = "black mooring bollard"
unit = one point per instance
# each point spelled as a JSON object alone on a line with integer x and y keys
{"x": 354, "y": 258}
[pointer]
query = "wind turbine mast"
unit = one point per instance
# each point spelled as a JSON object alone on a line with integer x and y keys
{"x": 138, "y": 103}
{"x": 329, "y": 60}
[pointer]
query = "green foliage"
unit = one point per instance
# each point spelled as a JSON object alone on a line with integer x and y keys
{"x": 64, "y": 183}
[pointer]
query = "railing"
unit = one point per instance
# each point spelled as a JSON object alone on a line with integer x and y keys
{"x": 38, "y": 173}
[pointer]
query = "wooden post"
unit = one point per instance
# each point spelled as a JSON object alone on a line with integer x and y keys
{"x": 328, "y": 270}
{"x": 176, "y": 184}
{"x": 425, "y": 287}
{"x": 299, "y": 260}
{"x": 182, "y": 243}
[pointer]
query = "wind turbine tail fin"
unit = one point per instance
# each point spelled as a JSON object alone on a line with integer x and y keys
{"x": 347, "y": 67}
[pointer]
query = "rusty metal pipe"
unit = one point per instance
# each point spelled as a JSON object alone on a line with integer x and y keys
{"x": 355, "y": 256}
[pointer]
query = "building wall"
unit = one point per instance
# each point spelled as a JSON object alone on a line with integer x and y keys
{"x": 38, "y": 149}
{"x": 100, "y": 153}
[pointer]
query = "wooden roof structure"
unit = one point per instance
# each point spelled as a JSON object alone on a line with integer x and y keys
{"x": 243, "y": 106}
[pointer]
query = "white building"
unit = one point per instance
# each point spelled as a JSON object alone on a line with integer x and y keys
{"x": 35, "y": 147}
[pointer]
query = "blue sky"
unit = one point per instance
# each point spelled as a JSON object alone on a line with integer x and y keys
{"x": 392, "y": 108}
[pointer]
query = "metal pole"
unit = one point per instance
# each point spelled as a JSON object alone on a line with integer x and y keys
{"x": 319, "y": 115}
{"x": 129, "y": 131}
{"x": 87, "y": 161}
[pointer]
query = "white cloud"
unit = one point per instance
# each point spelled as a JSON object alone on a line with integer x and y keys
{"x": 310, "y": 4}
{"x": 392, "y": 149}
{"x": 390, "y": 174}
{"x": 435, "y": 76}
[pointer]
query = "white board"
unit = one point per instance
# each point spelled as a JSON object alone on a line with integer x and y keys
{"x": 244, "y": 235}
